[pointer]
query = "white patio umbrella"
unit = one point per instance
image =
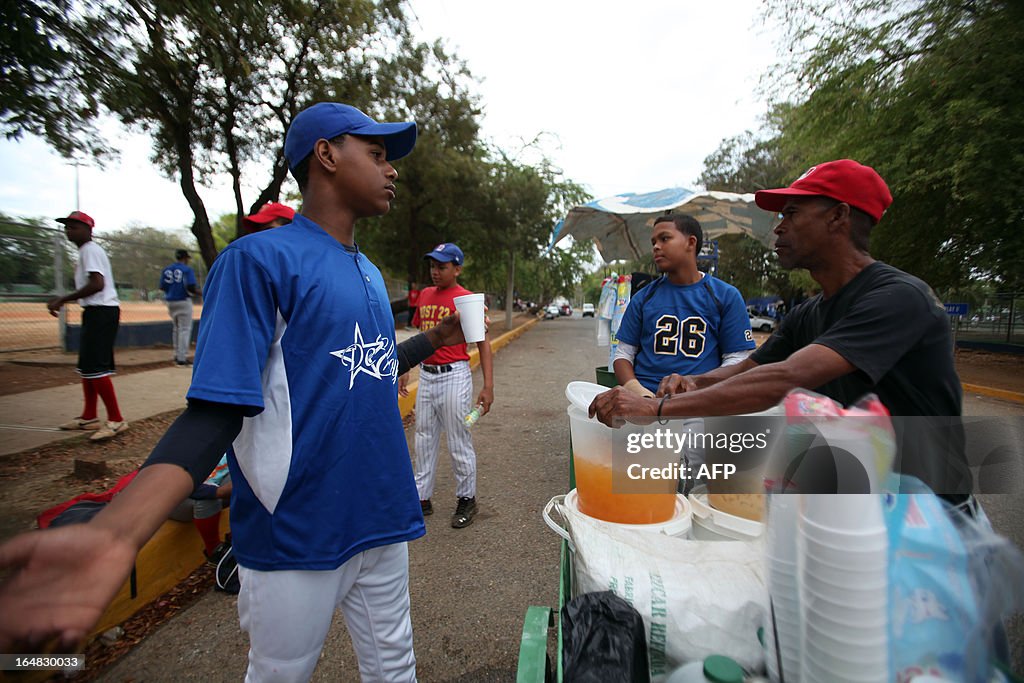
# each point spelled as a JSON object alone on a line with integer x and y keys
{"x": 621, "y": 225}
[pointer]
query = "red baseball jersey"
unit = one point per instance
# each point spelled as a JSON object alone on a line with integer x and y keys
{"x": 434, "y": 305}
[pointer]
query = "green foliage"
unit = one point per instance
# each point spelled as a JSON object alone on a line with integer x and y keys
{"x": 749, "y": 162}
{"x": 928, "y": 93}
{"x": 26, "y": 253}
{"x": 216, "y": 84}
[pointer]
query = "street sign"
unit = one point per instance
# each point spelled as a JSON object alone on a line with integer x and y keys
{"x": 959, "y": 310}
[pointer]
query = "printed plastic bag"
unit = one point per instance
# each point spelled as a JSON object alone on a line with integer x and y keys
{"x": 697, "y": 598}
{"x": 603, "y": 640}
{"x": 951, "y": 579}
{"x": 832, "y": 449}
{"x": 606, "y": 304}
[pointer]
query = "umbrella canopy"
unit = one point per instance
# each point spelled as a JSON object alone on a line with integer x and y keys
{"x": 621, "y": 225}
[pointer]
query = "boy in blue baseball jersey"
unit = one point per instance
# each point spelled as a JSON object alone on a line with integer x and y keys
{"x": 296, "y": 368}
{"x": 686, "y": 322}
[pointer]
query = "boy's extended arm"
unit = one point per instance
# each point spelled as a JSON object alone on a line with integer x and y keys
{"x": 416, "y": 349}
{"x": 61, "y": 580}
{"x": 486, "y": 397}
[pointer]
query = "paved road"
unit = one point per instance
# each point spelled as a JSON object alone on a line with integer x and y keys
{"x": 470, "y": 587}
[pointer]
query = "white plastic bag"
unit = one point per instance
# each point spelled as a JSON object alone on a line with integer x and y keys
{"x": 697, "y": 598}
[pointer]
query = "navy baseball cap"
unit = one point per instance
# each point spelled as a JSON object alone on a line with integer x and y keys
{"x": 446, "y": 251}
{"x": 328, "y": 120}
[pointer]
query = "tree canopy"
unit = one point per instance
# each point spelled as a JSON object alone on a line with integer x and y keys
{"x": 923, "y": 91}
{"x": 215, "y": 85}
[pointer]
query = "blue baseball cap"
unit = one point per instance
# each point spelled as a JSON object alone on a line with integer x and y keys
{"x": 328, "y": 120}
{"x": 446, "y": 251}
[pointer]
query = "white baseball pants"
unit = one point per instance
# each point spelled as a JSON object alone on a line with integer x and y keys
{"x": 287, "y": 615}
{"x": 442, "y": 401}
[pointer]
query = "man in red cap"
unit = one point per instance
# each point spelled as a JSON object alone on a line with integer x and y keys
{"x": 872, "y": 329}
{"x": 270, "y": 215}
{"x": 101, "y": 314}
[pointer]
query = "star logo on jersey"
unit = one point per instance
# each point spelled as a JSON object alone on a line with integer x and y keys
{"x": 376, "y": 359}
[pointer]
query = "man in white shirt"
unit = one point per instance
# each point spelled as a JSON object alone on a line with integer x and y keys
{"x": 101, "y": 314}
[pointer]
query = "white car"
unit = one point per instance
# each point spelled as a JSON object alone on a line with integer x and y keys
{"x": 588, "y": 310}
{"x": 551, "y": 312}
{"x": 761, "y": 323}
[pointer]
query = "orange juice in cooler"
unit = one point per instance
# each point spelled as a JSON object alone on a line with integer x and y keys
{"x": 596, "y": 499}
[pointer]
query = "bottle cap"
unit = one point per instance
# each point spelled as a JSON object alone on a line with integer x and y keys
{"x": 721, "y": 669}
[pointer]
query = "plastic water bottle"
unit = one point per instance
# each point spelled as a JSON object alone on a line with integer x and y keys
{"x": 474, "y": 415}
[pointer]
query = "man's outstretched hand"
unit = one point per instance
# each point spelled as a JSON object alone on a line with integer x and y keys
{"x": 615, "y": 406}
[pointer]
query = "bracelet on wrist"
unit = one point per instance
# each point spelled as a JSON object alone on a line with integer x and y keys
{"x": 661, "y": 405}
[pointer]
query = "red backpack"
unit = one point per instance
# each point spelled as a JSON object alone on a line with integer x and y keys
{"x": 82, "y": 507}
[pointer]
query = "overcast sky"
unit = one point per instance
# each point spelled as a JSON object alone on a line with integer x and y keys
{"x": 627, "y": 97}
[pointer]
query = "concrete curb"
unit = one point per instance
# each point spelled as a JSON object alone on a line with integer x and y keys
{"x": 407, "y": 403}
{"x": 1004, "y": 394}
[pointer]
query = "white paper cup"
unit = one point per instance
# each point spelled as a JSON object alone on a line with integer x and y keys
{"x": 825, "y": 577}
{"x": 860, "y": 633}
{"x": 868, "y": 538}
{"x": 860, "y": 610}
{"x": 471, "y": 315}
{"x": 850, "y": 512}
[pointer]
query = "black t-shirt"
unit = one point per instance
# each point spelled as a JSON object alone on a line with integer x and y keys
{"x": 892, "y": 328}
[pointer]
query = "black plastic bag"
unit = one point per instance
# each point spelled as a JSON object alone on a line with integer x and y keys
{"x": 603, "y": 640}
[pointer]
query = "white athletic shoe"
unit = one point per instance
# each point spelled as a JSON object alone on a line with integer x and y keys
{"x": 109, "y": 431}
{"x": 79, "y": 423}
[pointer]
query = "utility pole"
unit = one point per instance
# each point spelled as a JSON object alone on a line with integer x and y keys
{"x": 76, "y": 165}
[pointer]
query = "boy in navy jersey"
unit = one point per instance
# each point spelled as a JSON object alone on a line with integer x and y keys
{"x": 686, "y": 322}
{"x": 295, "y": 372}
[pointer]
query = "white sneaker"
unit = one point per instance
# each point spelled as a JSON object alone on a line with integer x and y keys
{"x": 79, "y": 423}
{"x": 109, "y": 430}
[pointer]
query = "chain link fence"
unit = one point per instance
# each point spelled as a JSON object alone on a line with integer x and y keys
{"x": 37, "y": 262}
{"x": 995, "y": 319}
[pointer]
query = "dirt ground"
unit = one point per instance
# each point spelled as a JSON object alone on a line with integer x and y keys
{"x": 478, "y": 634}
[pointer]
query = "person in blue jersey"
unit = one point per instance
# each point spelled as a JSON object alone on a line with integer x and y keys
{"x": 178, "y": 281}
{"x": 686, "y": 321}
{"x": 296, "y": 371}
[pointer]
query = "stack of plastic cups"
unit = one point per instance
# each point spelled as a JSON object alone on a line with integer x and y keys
{"x": 782, "y": 575}
{"x": 844, "y": 589}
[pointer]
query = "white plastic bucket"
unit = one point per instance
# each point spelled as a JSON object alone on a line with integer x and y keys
{"x": 678, "y": 526}
{"x": 710, "y": 524}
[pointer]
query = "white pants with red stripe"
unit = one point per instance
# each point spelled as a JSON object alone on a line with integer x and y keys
{"x": 287, "y": 615}
{"x": 442, "y": 402}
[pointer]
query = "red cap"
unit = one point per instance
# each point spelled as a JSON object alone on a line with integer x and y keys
{"x": 267, "y": 213}
{"x": 80, "y": 217}
{"x": 844, "y": 180}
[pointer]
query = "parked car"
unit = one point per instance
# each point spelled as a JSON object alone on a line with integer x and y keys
{"x": 565, "y": 309}
{"x": 588, "y": 310}
{"x": 551, "y": 312}
{"x": 761, "y": 323}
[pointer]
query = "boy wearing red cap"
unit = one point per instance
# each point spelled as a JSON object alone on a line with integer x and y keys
{"x": 873, "y": 328}
{"x": 270, "y": 215}
{"x": 101, "y": 314}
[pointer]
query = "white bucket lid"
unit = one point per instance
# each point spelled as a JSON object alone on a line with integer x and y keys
{"x": 678, "y": 525}
{"x": 582, "y": 394}
{"x": 713, "y": 519}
